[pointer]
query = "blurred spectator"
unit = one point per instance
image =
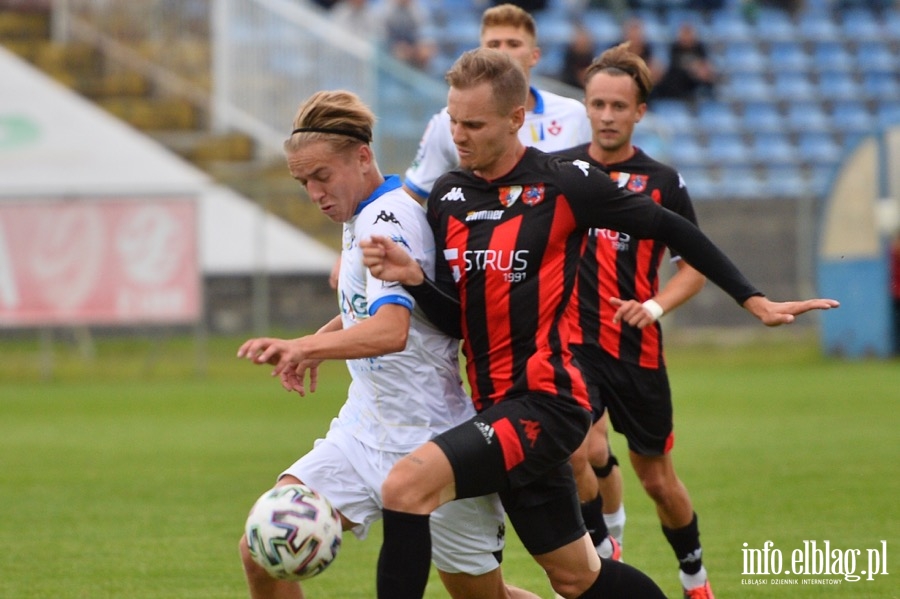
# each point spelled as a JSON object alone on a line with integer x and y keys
{"x": 691, "y": 74}
{"x": 357, "y": 17}
{"x": 578, "y": 57}
{"x": 634, "y": 34}
{"x": 407, "y": 28}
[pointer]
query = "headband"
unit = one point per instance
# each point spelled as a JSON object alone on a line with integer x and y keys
{"x": 335, "y": 130}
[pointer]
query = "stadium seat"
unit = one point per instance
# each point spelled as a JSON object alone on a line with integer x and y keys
{"x": 741, "y": 181}
{"x": 727, "y": 148}
{"x": 728, "y": 26}
{"x": 762, "y": 117}
{"x": 674, "y": 115}
{"x": 808, "y": 116}
{"x": 686, "y": 151}
{"x": 891, "y": 24}
{"x": 881, "y": 86}
{"x": 829, "y": 57}
{"x": 838, "y": 86}
{"x": 817, "y": 27}
{"x": 746, "y": 87}
{"x": 774, "y": 25}
{"x": 818, "y": 148}
{"x": 700, "y": 183}
{"x": 742, "y": 57}
{"x": 784, "y": 181}
{"x": 876, "y": 57}
{"x": 821, "y": 177}
{"x": 793, "y": 87}
{"x": 887, "y": 113}
{"x": 604, "y": 28}
{"x": 860, "y": 25}
{"x": 789, "y": 56}
{"x": 773, "y": 147}
{"x": 851, "y": 117}
{"x": 718, "y": 116}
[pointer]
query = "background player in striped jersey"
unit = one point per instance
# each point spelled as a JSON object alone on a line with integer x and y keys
{"x": 406, "y": 383}
{"x": 508, "y": 227}
{"x": 616, "y": 337}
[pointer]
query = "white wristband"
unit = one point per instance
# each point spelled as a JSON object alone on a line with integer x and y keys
{"x": 654, "y": 309}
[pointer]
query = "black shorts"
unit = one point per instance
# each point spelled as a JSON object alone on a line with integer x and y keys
{"x": 520, "y": 448}
{"x": 639, "y": 399}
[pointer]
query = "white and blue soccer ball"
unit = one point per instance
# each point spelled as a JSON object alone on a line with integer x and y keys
{"x": 293, "y": 532}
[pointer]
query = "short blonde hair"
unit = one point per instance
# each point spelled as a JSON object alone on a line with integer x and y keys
{"x": 339, "y": 117}
{"x": 508, "y": 15}
{"x": 509, "y": 86}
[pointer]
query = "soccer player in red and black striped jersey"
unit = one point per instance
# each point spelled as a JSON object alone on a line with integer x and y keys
{"x": 508, "y": 228}
{"x": 615, "y": 334}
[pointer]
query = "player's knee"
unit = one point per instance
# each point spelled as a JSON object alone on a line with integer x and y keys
{"x": 657, "y": 486}
{"x": 401, "y": 492}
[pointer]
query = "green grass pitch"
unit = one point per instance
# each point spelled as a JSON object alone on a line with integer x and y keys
{"x": 129, "y": 475}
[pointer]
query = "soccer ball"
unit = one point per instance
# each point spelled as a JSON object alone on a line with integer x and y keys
{"x": 293, "y": 532}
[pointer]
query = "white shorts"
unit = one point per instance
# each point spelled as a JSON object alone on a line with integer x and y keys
{"x": 465, "y": 533}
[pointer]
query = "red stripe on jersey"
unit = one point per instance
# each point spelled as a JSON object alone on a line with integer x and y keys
{"x": 497, "y": 286}
{"x": 513, "y": 453}
{"x": 552, "y": 335}
{"x": 607, "y": 287}
{"x": 645, "y": 288}
{"x": 576, "y": 333}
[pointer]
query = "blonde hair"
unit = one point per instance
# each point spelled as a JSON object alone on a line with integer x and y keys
{"x": 621, "y": 60}
{"x": 339, "y": 117}
{"x": 509, "y": 87}
{"x": 508, "y": 15}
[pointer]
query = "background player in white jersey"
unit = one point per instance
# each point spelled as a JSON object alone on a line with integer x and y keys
{"x": 552, "y": 122}
{"x": 406, "y": 386}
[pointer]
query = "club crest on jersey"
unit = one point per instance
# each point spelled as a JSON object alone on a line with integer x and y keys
{"x": 635, "y": 183}
{"x": 509, "y": 195}
{"x": 555, "y": 128}
{"x": 533, "y": 194}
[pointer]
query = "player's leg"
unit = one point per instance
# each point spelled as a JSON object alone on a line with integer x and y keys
{"x": 592, "y": 501}
{"x": 609, "y": 478}
{"x": 676, "y": 515}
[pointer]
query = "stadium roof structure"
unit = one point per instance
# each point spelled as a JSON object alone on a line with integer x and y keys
{"x": 55, "y": 145}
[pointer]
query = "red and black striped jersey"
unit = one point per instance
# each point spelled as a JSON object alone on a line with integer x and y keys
{"x": 510, "y": 248}
{"x": 615, "y": 264}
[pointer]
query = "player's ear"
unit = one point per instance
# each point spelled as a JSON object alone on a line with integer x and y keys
{"x": 517, "y": 118}
{"x": 641, "y": 111}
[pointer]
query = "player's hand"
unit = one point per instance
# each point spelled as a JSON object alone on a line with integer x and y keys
{"x": 773, "y": 314}
{"x": 281, "y": 353}
{"x": 388, "y": 261}
{"x": 294, "y": 379}
{"x": 631, "y": 312}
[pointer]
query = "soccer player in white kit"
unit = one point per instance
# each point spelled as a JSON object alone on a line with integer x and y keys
{"x": 406, "y": 386}
{"x": 552, "y": 122}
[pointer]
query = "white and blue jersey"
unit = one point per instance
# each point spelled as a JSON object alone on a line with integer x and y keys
{"x": 398, "y": 401}
{"x": 556, "y": 123}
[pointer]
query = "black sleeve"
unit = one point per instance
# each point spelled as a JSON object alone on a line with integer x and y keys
{"x": 441, "y": 306}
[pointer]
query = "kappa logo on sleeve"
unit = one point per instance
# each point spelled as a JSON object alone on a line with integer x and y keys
{"x": 581, "y": 165}
{"x": 387, "y": 217}
{"x": 454, "y": 195}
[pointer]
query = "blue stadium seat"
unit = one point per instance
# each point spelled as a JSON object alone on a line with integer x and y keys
{"x": 674, "y": 115}
{"x": 728, "y": 26}
{"x": 817, "y": 27}
{"x": 887, "y": 113}
{"x": 891, "y": 24}
{"x": 741, "y": 181}
{"x": 818, "y": 148}
{"x": 793, "y": 87}
{"x": 881, "y": 86}
{"x": 774, "y": 25}
{"x": 746, "y": 87}
{"x": 773, "y": 147}
{"x": 876, "y": 57}
{"x": 718, "y": 116}
{"x": 838, "y": 86}
{"x": 821, "y": 177}
{"x": 788, "y": 56}
{"x": 742, "y": 57}
{"x": 784, "y": 181}
{"x": 727, "y": 148}
{"x": 762, "y": 117}
{"x": 808, "y": 116}
{"x": 686, "y": 151}
{"x": 832, "y": 56}
{"x": 605, "y": 29}
{"x": 860, "y": 24}
{"x": 851, "y": 117}
{"x": 701, "y": 185}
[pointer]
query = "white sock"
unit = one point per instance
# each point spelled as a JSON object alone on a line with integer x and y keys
{"x": 615, "y": 522}
{"x": 692, "y": 581}
{"x": 605, "y": 548}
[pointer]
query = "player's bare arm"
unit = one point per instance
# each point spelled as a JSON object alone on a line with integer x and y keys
{"x": 684, "y": 285}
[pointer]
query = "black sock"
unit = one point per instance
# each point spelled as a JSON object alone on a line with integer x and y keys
{"x": 405, "y": 558}
{"x": 621, "y": 580}
{"x": 592, "y": 512}
{"x": 686, "y": 544}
